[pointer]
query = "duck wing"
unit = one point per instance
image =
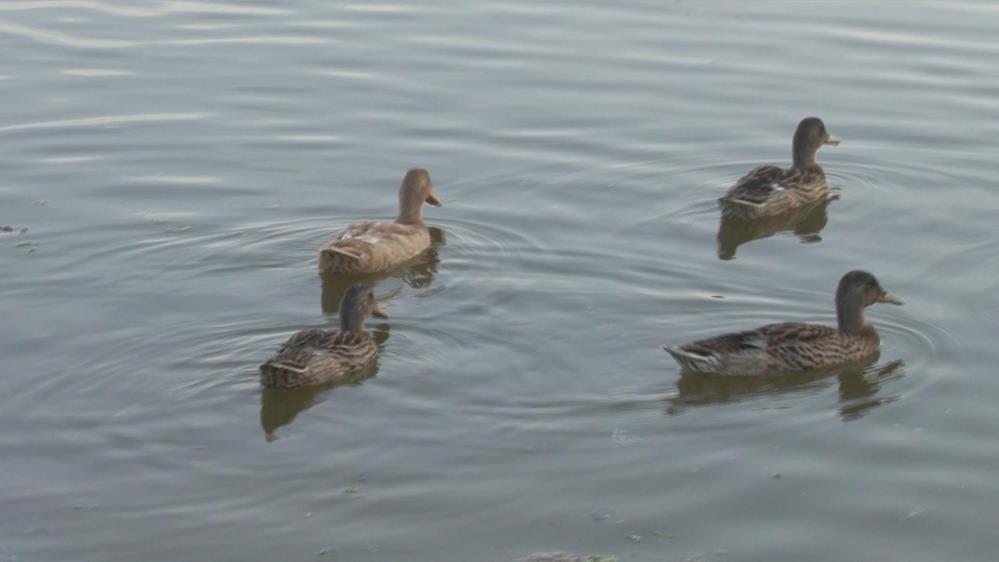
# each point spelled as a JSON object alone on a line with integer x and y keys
{"x": 355, "y": 240}
{"x": 761, "y": 347}
{"x": 791, "y": 333}
{"x": 749, "y": 340}
{"x": 371, "y": 246}
{"x": 299, "y": 349}
{"x": 304, "y": 345}
{"x": 756, "y": 186}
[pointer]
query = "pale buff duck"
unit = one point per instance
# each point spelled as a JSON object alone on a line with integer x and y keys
{"x": 377, "y": 246}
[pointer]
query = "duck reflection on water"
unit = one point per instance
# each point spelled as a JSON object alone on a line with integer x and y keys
{"x": 859, "y": 387}
{"x": 805, "y": 223}
{"x": 280, "y": 407}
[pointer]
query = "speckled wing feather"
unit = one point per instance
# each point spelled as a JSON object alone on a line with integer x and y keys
{"x": 793, "y": 332}
{"x": 316, "y": 357}
{"x": 299, "y": 349}
{"x": 769, "y": 190}
{"x": 312, "y": 341}
{"x": 757, "y": 185}
{"x": 788, "y": 346}
{"x": 760, "y": 339}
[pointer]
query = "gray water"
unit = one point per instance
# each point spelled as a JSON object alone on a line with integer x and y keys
{"x": 177, "y": 164}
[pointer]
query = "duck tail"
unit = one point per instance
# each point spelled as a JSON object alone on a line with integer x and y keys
{"x": 694, "y": 362}
{"x": 750, "y": 204}
{"x": 341, "y": 252}
{"x": 335, "y": 258}
{"x": 734, "y": 208}
{"x": 276, "y": 374}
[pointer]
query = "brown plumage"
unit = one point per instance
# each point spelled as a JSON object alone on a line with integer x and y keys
{"x": 769, "y": 190}
{"x": 376, "y": 246}
{"x": 314, "y": 357}
{"x": 794, "y": 346}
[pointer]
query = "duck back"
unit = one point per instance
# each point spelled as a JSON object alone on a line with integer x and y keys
{"x": 315, "y": 357}
{"x": 373, "y": 247}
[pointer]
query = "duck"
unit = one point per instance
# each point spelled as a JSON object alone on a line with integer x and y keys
{"x": 377, "y": 246}
{"x": 318, "y": 357}
{"x": 790, "y": 347}
{"x": 770, "y": 190}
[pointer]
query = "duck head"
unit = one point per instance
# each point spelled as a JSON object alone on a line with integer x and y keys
{"x": 810, "y": 135}
{"x": 857, "y": 290}
{"x": 416, "y": 189}
{"x": 358, "y": 303}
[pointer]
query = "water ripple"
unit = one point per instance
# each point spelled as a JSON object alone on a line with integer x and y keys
{"x": 107, "y": 120}
{"x": 163, "y": 9}
{"x": 56, "y": 38}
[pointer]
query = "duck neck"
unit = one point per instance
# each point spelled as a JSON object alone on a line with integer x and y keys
{"x": 410, "y": 207}
{"x": 850, "y": 314}
{"x": 804, "y": 156}
{"x": 352, "y": 320}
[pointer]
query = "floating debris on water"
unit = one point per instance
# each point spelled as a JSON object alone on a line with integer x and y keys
{"x": 661, "y": 535}
{"x": 353, "y": 491}
{"x": 566, "y": 557}
{"x": 28, "y": 246}
{"x": 703, "y": 557}
{"x": 15, "y": 230}
{"x": 166, "y": 221}
{"x": 605, "y": 514}
{"x": 623, "y": 437}
{"x": 552, "y": 557}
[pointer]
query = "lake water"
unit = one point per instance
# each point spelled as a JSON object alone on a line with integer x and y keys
{"x": 177, "y": 165}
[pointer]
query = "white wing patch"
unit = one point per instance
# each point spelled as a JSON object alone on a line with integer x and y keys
{"x": 364, "y": 231}
{"x": 747, "y": 203}
{"x": 693, "y": 360}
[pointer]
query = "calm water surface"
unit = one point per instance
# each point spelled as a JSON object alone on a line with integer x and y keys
{"x": 177, "y": 164}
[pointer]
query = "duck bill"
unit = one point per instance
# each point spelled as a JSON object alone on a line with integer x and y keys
{"x": 433, "y": 200}
{"x": 888, "y": 298}
{"x": 832, "y": 140}
{"x": 377, "y": 313}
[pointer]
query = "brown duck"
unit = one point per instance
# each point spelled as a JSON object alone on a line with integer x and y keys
{"x": 377, "y": 246}
{"x": 769, "y": 190}
{"x": 793, "y": 346}
{"x": 315, "y": 357}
